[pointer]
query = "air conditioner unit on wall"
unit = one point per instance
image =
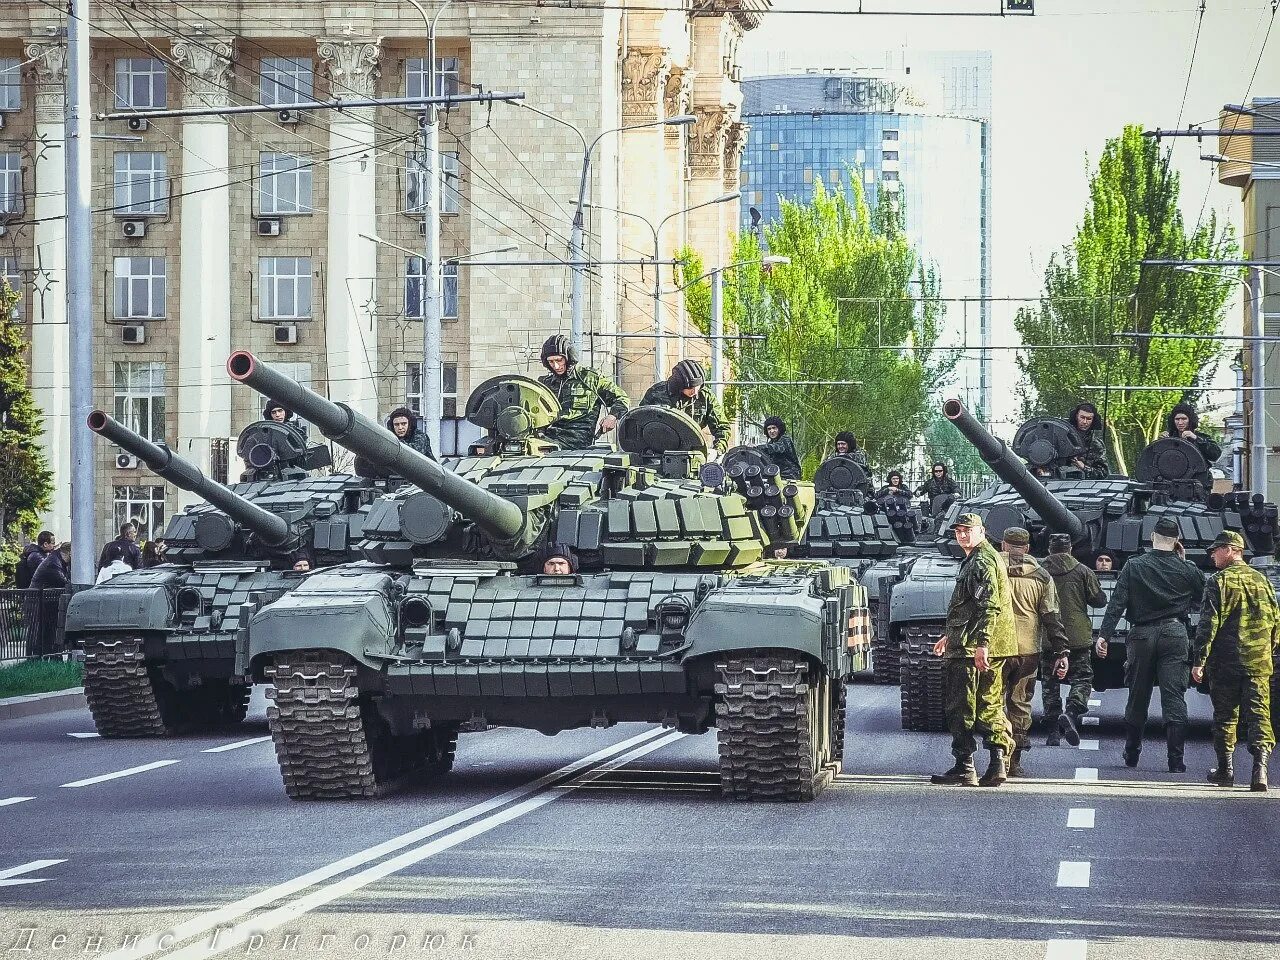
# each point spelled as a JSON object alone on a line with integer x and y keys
{"x": 134, "y": 333}
{"x": 268, "y": 227}
{"x": 286, "y": 333}
{"x": 139, "y": 124}
{"x": 126, "y": 461}
{"x": 289, "y": 116}
{"x": 133, "y": 229}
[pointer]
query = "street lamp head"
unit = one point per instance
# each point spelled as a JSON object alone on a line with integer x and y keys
{"x": 775, "y": 260}
{"x": 729, "y": 197}
{"x": 680, "y": 120}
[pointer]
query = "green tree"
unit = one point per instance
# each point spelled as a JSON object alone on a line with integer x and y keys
{"x": 1096, "y": 293}
{"x": 854, "y": 304}
{"x": 26, "y": 484}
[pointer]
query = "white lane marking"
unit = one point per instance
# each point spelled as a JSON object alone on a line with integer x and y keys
{"x": 10, "y": 801}
{"x": 7, "y": 876}
{"x": 1080, "y": 818}
{"x": 150, "y": 944}
{"x": 225, "y": 939}
{"x": 1087, "y": 774}
{"x": 1088, "y": 744}
{"x": 236, "y": 746}
{"x": 84, "y": 736}
{"x": 1073, "y": 873}
{"x": 90, "y": 781}
{"x": 1095, "y": 703}
{"x": 1066, "y": 950}
{"x": 1088, "y": 722}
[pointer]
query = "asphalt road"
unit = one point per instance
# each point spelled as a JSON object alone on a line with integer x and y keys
{"x": 616, "y": 844}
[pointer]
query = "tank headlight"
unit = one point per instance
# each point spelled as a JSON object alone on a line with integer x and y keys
{"x": 415, "y": 612}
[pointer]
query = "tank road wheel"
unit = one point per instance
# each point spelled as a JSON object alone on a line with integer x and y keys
{"x": 922, "y": 677}
{"x": 331, "y": 741}
{"x": 774, "y": 730}
{"x": 126, "y": 697}
{"x": 444, "y": 745}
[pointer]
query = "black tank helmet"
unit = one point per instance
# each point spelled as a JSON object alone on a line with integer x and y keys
{"x": 685, "y": 375}
{"x": 1193, "y": 419}
{"x": 775, "y": 422}
{"x": 848, "y": 437}
{"x": 559, "y": 346}
{"x": 272, "y": 405}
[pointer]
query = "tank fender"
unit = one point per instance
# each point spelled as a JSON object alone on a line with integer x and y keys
{"x": 349, "y": 614}
{"x": 762, "y": 619}
{"x": 119, "y": 607}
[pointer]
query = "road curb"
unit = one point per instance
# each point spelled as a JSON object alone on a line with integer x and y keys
{"x": 37, "y": 703}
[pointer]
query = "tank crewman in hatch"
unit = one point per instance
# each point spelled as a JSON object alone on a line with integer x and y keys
{"x": 939, "y": 484}
{"x": 1078, "y": 589}
{"x": 406, "y": 426}
{"x": 779, "y": 449}
{"x": 1093, "y": 456}
{"x": 979, "y": 634}
{"x": 1236, "y": 643}
{"x": 1183, "y": 421}
{"x": 683, "y": 391}
{"x": 581, "y": 392}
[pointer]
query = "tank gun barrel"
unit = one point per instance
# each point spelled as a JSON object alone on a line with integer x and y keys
{"x": 499, "y": 518}
{"x": 271, "y": 529}
{"x": 1008, "y": 466}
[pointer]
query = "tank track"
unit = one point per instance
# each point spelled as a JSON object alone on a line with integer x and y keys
{"x": 330, "y": 740}
{"x": 774, "y": 730}
{"x": 922, "y": 676}
{"x": 886, "y": 662}
{"x": 125, "y": 697}
{"x": 839, "y": 704}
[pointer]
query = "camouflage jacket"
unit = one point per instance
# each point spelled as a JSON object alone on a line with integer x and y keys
{"x": 1239, "y": 620}
{"x": 1094, "y": 456}
{"x": 933, "y": 487}
{"x": 782, "y": 454}
{"x": 1077, "y": 588}
{"x": 981, "y": 610}
{"x": 705, "y": 410}
{"x": 1036, "y": 616}
{"x": 581, "y": 392}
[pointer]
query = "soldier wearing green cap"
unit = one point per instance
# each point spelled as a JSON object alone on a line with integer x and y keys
{"x": 1156, "y": 593}
{"x": 1236, "y": 643}
{"x": 979, "y": 633}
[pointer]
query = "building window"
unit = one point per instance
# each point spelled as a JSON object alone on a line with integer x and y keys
{"x": 415, "y": 179}
{"x": 890, "y": 175}
{"x": 891, "y": 135}
{"x": 286, "y": 81}
{"x": 141, "y": 82}
{"x": 11, "y": 200}
{"x": 448, "y": 70}
{"x": 140, "y": 288}
{"x": 284, "y": 288}
{"x": 142, "y": 184}
{"x": 11, "y": 275}
{"x": 889, "y": 155}
{"x": 450, "y": 197}
{"x": 448, "y": 388}
{"x": 140, "y": 397}
{"x": 415, "y": 293}
{"x": 10, "y": 84}
{"x": 284, "y": 184}
{"x": 143, "y": 506}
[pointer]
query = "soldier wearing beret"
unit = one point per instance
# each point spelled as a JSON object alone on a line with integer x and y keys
{"x": 979, "y": 635}
{"x": 1078, "y": 589}
{"x": 1236, "y": 643}
{"x": 1156, "y": 592}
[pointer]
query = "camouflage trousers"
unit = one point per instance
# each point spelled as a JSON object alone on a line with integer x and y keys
{"x": 974, "y": 704}
{"x": 1233, "y": 689}
{"x": 1079, "y": 678}
{"x": 1018, "y": 677}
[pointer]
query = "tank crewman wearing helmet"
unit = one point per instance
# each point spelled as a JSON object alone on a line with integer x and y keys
{"x": 846, "y": 445}
{"x": 558, "y": 560}
{"x": 894, "y": 486}
{"x": 979, "y": 634}
{"x": 1236, "y": 642}
{"x": 1078, "y": 589}
{"x": 279, "y": 413}
{"x": 406, "y": 426}
{"x": 1087, "y": 422}
{"x": 780, "y": 449}
{"x": 683, "y": 391}
{"x": 581, "y": 392}
{"x": 1183, "y": 421}
{"x": 939, "y": 484}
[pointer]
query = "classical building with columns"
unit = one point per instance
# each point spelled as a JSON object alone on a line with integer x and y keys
{"x": 215, "y": 232}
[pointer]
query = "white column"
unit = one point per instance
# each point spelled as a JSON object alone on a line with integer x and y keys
{"x": 204, "y": 337}
{"x": 50, "y": 371}
{"x": 351, "y": 319}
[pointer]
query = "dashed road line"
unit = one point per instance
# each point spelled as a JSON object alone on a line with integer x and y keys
{"x": 1088, "y": 722}
{"x": 90, "y": 781}
{"x": 1088, "y": 744}
{"x": 1066, "y": 950}
{"x": 1080, "y": 818}
{"x": 10, "y": 801}
{"x": 85, "y": 736}
{"x": 1095, "y": 703}
{"x": 237, "y": 745}
{"x": 1073, "y": 873}
{"x": 1086, "y": 774}
{"x": 12, "y": 878}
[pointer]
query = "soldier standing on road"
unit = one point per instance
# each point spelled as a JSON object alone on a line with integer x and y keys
{"x": 1156, "y": 592}
{"x": 683, "y": 391}
{"x": 1236, "y": 643}
{"x": 1039, "y": 632}
{"x": 979, "y": 634}
{"x": 581, "y": 391}
{"x": 1078, "y": 589}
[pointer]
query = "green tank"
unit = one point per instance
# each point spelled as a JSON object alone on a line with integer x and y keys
{"x": 676, "y": 614}
{"x": 165, "y": 648}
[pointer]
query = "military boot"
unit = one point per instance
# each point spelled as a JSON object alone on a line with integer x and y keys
{"x": 963, "y": 774}
{"x": 1132, "y": 745}
{"x": 1016, "y": 770}
{"x": 1258, "y": 782}
{"x": 997, "y": 770}
{"x": 1070, "y": 732}
{"x": 1176, "y": 737}
{"x": 1054, "y": 738}
{"x": 1224, "y": 774}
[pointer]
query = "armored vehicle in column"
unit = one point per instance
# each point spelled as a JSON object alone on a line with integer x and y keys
{"x": 1044, "y": 492}
{"x": 165, "y": 646}
{"x": 674, "y": 615}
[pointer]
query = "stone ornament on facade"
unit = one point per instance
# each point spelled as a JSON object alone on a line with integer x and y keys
{"x": 707, "y": 144}
{"x": 644, "y": 76}
{"x": 677, "y": 96}
{"x": 206, "y": 71}
{"x": 48, "y": 62}
{"x": 352, "y": 66}
{"x": 735, "y": 141}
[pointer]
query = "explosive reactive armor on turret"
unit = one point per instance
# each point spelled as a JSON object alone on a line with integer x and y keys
{"x": 165, "y": 647}
{"x": 673, "y": 616}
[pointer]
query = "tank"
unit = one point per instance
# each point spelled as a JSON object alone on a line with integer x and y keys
{"x": 1041, "y": 490}
{"x": 165, "y": 647}
{"x": 677, "y": 613}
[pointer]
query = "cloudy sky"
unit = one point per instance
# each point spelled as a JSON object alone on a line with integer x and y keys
{"x": 1065, "y": 80}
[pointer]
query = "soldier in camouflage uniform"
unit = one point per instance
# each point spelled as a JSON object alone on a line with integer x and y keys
{"x": 980, "y": 633}
{"x": 1236, "y": 643}
{"x": 581, "y": 392}
{"x": 683, "y": 391}
{"x": 1078, "y": 589}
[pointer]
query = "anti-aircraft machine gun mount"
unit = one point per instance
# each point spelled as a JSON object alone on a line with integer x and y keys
{"x": 674, "y": 616}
